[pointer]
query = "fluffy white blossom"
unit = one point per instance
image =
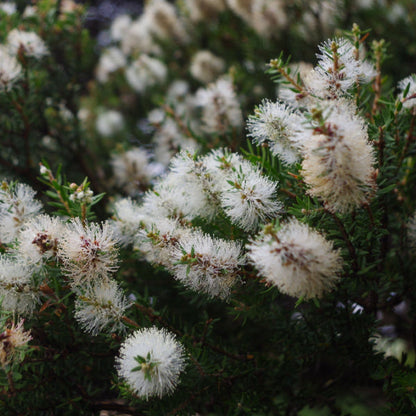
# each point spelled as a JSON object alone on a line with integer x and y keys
{"x": 189, "y": 172}
{"x": 145, "y": 72}
{"x": 408, "y": 85}
{"x": 134, "y": 171}
{"x": 157, "y": 240}
{"x": 338, "y": 160}
{"x": 296, "y": 259}
{"x": 279, "y": 126}
{"x": 220, "y": 107}
{"x": 176, "y": 199}
{"x": 163, "y": 21}
{"x": 29, "y": 42}
{"x": 12, "y": 339}
{"x": 206, "y": 67}
{"x": 38, "y": 240}
{"x": 10, "y": 69}
{"x": 150, "y": 362}
{"x": 101, "y": 307}
{"x": 119, "y": 26}
{"x": 88, "y": 252}
{"x": 249, "y": 198}
{"x": 17, "y": 205}
{"x": 138, "y": 38}
{"x": 268, "y": 17}
{"x": 338, "y": 68}
{"x": 128, "y": 220}
{"x": 109, "y": 123}
{"x": 17, "y": 289}
{"x": 8, "y": 7}
{"x": 111, "y": 60}
{"x": 206, "y": 264}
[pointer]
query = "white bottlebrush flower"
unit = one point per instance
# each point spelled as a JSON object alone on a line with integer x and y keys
{"x": 109, "y": 122}
{"x": 408, "y": 85}
{"x": 249, "y": 198}
{"x": 101, "y": 307}
{"x": 119, "y": 26}
{"x": 128, "y": 220}
{"x": 338, "y": 68}
{"x": 150, "y": 362}
{"x": 17, "y": 290}
{"x": 206, "y": 264}
{"x": 206, "y": 67}
{"x": 29, "y": 11}
{"x": 10, "y": 69}
{"x": 268, "y": 17}
{"x": 175, "y": 199}
{"x": 88, "y": 252}
{"x": 138, "y": 39}
{"x": 204, "y": 10}
{"x": 134, "y": 171}
{"x": 8, "y": 7}
{"x": 338, "y": 160}
{"x": 38, "y": 240}
{"x": 296, "y": 259}
{"x": 164, "y": 22}
{"x": 279, "y": 126}
{"x": 11, "y": 340}
{"x": 110, "y": 61}
{"x": 17, "y": 205}
{"x": 158, "y": 238}
{"x": 145, "y": 72}
{"x": 220, "y": 107}
{"x": 29, "y": 42}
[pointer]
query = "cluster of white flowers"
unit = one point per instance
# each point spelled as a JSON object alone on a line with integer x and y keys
{"x": 17, "y": 41}
{"x": 320, "y": 125}
{"x": 81, "y": 194}
{"x": 218, "y": 184}
{"x": 35, "y": 242}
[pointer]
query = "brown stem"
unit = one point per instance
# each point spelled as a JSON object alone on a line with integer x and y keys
{"x": 130, "y": 322}
{"x": 377, "y": 82}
